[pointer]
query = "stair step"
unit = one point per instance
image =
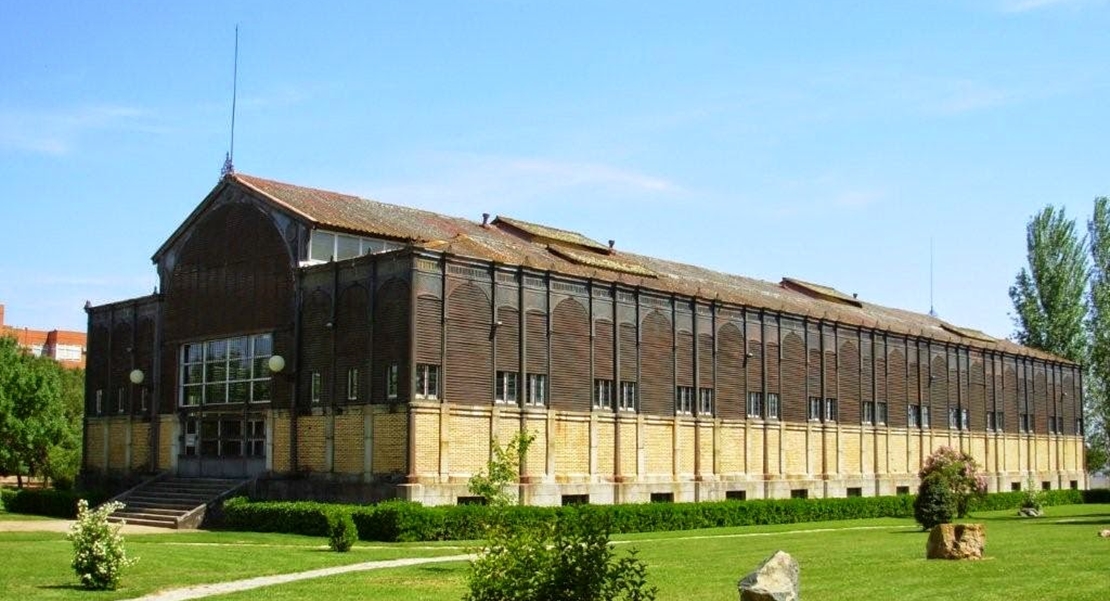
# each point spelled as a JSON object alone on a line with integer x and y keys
{"x": 164, "y": 502}
{"x": 157, "y": 523}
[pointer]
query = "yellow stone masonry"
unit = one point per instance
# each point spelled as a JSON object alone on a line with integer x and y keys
{"x": 686, "y": 450}
{"x": 140, "y": 446}
{"x": 660, "y": 449}
{"x": 311, "y": 444}
{"x": 279, "y": 441}
{"x": 606, "y": 448}
{"x": 390, "y": 443}
{"x": 94, "y": 445}
{"x": 626, "y": 430}
{"x": 167, "y": 426}
{"x": 470, "y": 437}
{"x": 572, "y": 448}
{"x": 732, "y": 449}
{"x": 348, "y": 449}
{"x": 427, "y": 444}
{"x": 117, "y": 443}
{"x": 795, "y": 441}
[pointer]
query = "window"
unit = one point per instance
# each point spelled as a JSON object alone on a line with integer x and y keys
{"x": 854, "y": 491}
{"x": 755, "y": 404}
{"x": 953, "y": 419}
{"x": 317, "y": 386}
{"x": 628, "y": 396}
{"x": 226, "y": 370}
{"x": 190, "y": 442}
{"x": 575, "y": 499}
{"x": 1046, "y": 485}
{"x": 662, "y": 497}
{"x": 705, "y": 401}
{"x": 736, "y": 495}
{"x": 880, "y": 413}
{"x": 1026, "y": 423}
{"x": 352, "y": 384}
{"x": 913, "y": 416}
{"x": 999, "y": 420}
{"x": 507, "y": 387}
{"x": 1079, "y": 427}
{"x": 868, "y": 413}
{"x": 1073, "y": 484}
{"x": 1051, "y": 424}
{"x": 1015, "y": 486}
{"x": 121, "y": 396}
{"x": 256, "y": 438}
{"x": 427, "y": 381}
{"x": 684, "y": 400}
{"x": 99, "y": 400}
{"x": 142, "y": 399}
{"x": 326, "y": 246}
{"x": 965, "y": 420}
{"x": 902, "y": 490}
{"x": 774, "y": 406}
{"x": 831, "y": 410}
{"x": 813, "y": 411}
{"x": 926, "y": 416}
{"x": 470, "y": 501}
{"x": 537, "y": 390}
{"x": 992, "y": 424}
{"x": 603, "y": 394}
{"x": 799, "y": 493}
{"x": 392, "y": 378}
{"x": 1059, "y": 424}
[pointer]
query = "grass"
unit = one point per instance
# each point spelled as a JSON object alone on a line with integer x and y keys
{"x": 36, "y": 564}
{"x": 1058, "y": 557}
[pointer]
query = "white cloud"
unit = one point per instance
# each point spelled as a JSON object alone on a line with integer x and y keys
{"x": 59, "y": 132}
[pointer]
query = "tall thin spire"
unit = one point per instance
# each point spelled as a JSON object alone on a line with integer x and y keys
{"x": 229, "y": 158}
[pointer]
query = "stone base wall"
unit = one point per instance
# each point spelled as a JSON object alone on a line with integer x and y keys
{"x": 428, "y": 451}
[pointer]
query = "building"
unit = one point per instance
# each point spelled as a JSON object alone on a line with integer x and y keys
{"x": 64, "y": 346}
{"x": 336, "y": 347}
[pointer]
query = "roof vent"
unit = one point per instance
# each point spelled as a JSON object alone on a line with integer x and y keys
{"x": 826, "y": 293}
{"x": 485, "y": 219}
{"x": 612, "y": 243}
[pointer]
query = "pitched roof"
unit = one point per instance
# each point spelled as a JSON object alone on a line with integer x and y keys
{"x": 551, "y": 249}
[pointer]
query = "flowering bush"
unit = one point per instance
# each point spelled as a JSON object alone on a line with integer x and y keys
{"x": 98, "y": 554}
{"x": 957, "y": 473}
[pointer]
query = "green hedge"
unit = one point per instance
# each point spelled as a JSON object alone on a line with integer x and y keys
{"x": 400, "y": 521}
{"x": 49, "y": 502}
{"x": 5, "y": 495}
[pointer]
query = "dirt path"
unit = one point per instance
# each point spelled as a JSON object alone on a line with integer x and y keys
{"x": 64, "y": 526}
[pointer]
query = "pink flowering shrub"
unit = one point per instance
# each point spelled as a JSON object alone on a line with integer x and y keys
{"x": 959, "y": 473}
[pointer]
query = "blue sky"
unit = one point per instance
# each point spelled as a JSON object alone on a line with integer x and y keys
{"x": 828, "y": 141}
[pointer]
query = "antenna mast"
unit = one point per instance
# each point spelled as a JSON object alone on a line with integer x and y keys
{"x": 229, "y": 158}
{"x": 932, "y": 310}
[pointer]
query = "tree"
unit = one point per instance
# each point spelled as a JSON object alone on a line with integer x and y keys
{"x": 1048, "y": 297}
{"x": 1097, "y": 389}
{"x": 32, "y": 418}
{"x": 494, "y": 483}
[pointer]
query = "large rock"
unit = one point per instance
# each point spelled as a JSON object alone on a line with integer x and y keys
{"x": 1104, "y": 533}
{"x": 775, "y": 580}
{"x": 1029, "y": 512}
{"x": 956, "y": 541}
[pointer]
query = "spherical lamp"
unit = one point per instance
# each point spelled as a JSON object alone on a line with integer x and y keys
{"x": 276, "y": 363}
{"x": 136, "y": 376}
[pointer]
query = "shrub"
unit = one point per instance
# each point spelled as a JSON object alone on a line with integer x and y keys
{"x": 98, "y": 554}
{"x": 959, "y": 472}
{"x": 342, "y": 533}
{"x": 50, "y": 502}
{"x": 936, "y": 502}
{"x": 572, "y": 561}
{"x": 1031, "y": 498}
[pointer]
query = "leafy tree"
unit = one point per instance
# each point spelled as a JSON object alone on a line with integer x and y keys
{"x": 1097, "y": 384}
{"x": 950, "y": 480}
{"x": 32, "y": 418}
{"x": 1048, "y": 297}
{"x": 494, "y": 484}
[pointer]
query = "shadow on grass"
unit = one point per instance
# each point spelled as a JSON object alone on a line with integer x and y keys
{"x": 438, "y": 569}
{"x": 1098, "y": 520}
{"x": 63, "y": 587}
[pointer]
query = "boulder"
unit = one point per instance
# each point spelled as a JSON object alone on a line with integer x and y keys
{"x": 1104, "y": 533}
{"x": 1029, "y": 512}
{"x": 776, "y": 579}
{"x": 956, "y": 541}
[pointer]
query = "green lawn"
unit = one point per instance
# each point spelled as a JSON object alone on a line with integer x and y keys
{"x": 35, "y": 565}
{"x": 1057, "y": 557}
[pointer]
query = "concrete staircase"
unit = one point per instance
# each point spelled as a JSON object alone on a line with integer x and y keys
{"x": 178, "y": 503}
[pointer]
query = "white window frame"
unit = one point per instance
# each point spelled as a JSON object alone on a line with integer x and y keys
{"x": 425, "y": 373}
{"x": 705, "y": 401}
{"x": 684, "y": 400}
{"x": 352, "y": 383}
{"x": 316, "y": 387}
{"x": 754, "y": 408}
{"x": 508, "y": 388}
{"x": 536, "y": 390}
{"x": 392, "y": 381}
{"x": 603, "y": 393}
{"x": 628, "y": 400}
{"x": 259, "y": 348}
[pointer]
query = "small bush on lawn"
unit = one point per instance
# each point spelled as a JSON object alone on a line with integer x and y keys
{"x": 959, "y": 472}
{"x": 935, "y": 503}
{"x": 98, "y": 554}
{"x": 342, "y": 533}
